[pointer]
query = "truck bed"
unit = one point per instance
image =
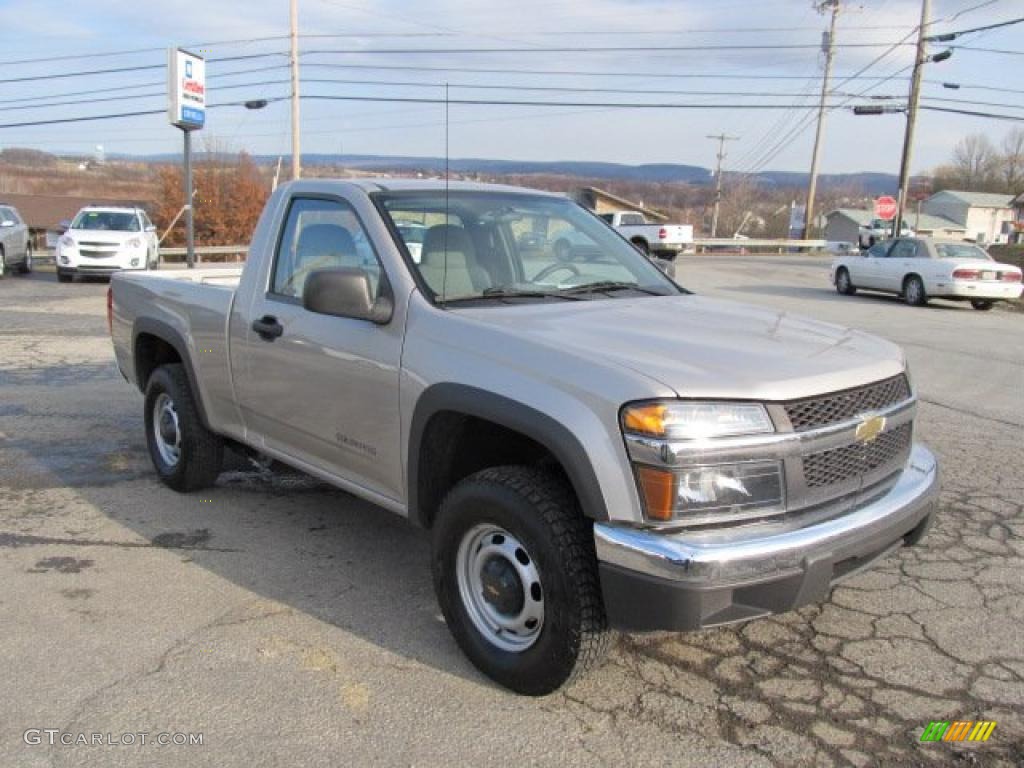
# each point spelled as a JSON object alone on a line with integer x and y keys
{"x": 192, "y": 306}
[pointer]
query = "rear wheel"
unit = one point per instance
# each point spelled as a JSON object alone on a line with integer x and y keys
{"x": 982, "y": 304}
{"x": 913, "y": 291}
{"x": 3, "y": 262}
{"x": 516, "y": 577}
{"x": 187, "y": 456}
{"x": 844, "y": 285}
{"x": 26, "y": 265}
{"x": 645, "y": 249}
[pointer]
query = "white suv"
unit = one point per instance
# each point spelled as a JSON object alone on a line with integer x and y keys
{"x": 101, "y": 241}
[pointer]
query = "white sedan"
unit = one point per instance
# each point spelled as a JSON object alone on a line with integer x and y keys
{"x": 921, "y": 268}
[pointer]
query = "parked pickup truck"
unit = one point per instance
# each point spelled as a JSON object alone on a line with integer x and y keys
{"x": 581, "y": 464}
{"x": 663, "y": 240}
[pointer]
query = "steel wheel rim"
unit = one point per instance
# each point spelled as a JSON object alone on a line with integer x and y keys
{"x": 844, "y": 281}
{"x": 913, "y": 291}
{"x": 513, "y": 617}
{"x": 28, "y": 257}
{"x": 166, "y": 429}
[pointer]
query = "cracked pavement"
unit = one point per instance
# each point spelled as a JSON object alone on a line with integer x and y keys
{"x": 291, "y": 623}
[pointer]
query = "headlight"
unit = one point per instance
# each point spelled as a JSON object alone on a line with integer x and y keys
{"x": 704, "y": 493}
{"x": 135, "y": 242}
{"x": 716, "y": 493}
{"x": 680, "y": 420}
{"x": 66, "y": 241}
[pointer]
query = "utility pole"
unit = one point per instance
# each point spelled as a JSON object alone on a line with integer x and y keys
{"x": 296, "y": 126}
{"x": 828, "y": 46}
{"x": 721, "y": 139}
{"x": 912, "y": 104}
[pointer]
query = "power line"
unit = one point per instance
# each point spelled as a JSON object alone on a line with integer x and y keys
{"x": 949, "y": 35}
{"x": 115, "y": 116}
{"x": 598, "y": 49}
{"x": 566, "y": 72}
{"x": 136, "y": 68}
{"x": 972, "y": 113}
{"x": 41, "y": 103}
{"x": 987, "y": 50}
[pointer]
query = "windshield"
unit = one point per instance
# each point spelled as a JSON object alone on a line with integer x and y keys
{"x": 961, "y": 251}
{"x": 112, "y": 221}
{"x": 496, "y": 246}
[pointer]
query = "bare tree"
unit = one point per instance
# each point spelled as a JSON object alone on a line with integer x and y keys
{"x": 976, "y": 162}
{"x": 1012, "y": 169}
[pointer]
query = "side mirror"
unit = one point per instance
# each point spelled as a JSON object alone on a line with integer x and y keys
{"x": 345, "y": 292}
{"x": 64, "y": 225}
{"x": 151, "y": 228}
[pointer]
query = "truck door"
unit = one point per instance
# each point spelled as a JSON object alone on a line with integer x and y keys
{"x": 320, "y": 388}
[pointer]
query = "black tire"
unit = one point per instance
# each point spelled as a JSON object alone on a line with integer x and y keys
{"x": 540, "y": 511}
{"x": 844, "y": 285}
{"x": 26, "y": 265}
{"x": 201, "y": 453}
{"x": 913, "y": 291}
{"x": 643, "y": 247}
{"x": 3, "y": 263}
{"x": 982, "y": 305}
{"x": 64, "y": 277}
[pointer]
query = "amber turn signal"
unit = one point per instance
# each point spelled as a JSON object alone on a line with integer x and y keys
{"x": 645, "y": 420}
{"x": 658, "y": 488}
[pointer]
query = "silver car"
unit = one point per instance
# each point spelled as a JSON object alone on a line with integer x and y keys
{"x": 15, "y": 243}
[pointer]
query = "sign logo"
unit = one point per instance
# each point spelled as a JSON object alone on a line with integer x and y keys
{"x": 188, "y": 68}
{"x": 869, "y": 429}
{"x": 958, "y": 730}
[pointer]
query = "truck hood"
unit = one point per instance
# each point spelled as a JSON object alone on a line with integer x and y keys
{"x": 702, "y": 347}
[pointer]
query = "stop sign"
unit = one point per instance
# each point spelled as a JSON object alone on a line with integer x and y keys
{"x": 885, "y": 208}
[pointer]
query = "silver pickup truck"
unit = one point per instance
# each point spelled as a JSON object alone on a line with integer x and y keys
{"x": 582, "y": 464}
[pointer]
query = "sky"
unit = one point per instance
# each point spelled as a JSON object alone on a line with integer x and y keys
{"x": 755, "y": 51}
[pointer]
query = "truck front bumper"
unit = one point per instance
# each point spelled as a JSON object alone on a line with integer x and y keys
{"x": 693, "y": 579}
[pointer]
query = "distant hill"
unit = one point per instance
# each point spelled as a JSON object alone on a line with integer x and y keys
{"x": 869, "y": 183}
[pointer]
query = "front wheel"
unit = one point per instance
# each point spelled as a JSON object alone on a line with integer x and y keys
{"x": 515, "y": 573}
{"x": 64, "y": 277}
{"x": 3, "y": 262}
{"x": 186, "y": 455}
{"x": 983, "y": 305}
{"x": 913, "y": 291}
{"x": 844, "y": 285}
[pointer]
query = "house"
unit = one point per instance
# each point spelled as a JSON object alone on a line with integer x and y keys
{"x": 843, "y": 225}
{"x": 1017, "y": 234}
{"x": 988, "y": 218}
{"x": 601, "y": 201}
{"x": 44, "y": 213}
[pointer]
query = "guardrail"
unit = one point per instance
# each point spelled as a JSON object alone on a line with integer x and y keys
{"x": 735, "y": 244}
{"x": 178, "y": 254}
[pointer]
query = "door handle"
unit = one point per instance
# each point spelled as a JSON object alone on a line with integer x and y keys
{"x": 268, "y": 328}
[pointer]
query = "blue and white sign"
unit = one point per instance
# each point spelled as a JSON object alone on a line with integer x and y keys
{"x": 186, "y": 89}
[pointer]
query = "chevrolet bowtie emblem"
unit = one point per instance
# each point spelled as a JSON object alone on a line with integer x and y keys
{"x": 870, "y": 428}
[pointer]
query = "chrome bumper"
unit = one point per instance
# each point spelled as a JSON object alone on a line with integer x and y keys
{"x": 713, "y": 577}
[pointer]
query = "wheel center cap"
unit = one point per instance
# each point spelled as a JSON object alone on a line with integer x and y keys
{"x": 502, "y": 588}
{"x": 167, "y": 429}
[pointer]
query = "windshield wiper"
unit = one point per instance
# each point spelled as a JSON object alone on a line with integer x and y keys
{"x": 610, "y": 285}
{"x": 499, "y": 292}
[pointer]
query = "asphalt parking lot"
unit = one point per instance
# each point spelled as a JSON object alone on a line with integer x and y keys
{"x": 291, "y": 624}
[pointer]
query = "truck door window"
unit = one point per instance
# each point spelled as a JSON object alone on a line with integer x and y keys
{"x": 320, "y": 234}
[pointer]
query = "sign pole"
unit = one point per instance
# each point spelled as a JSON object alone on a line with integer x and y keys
{"x": 186, "y": 109}
{"x": 190, "y": 249}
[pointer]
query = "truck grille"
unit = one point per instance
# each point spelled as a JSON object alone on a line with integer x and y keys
{"x": 840, "y": 465}
{"x": 814, "y": 412}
